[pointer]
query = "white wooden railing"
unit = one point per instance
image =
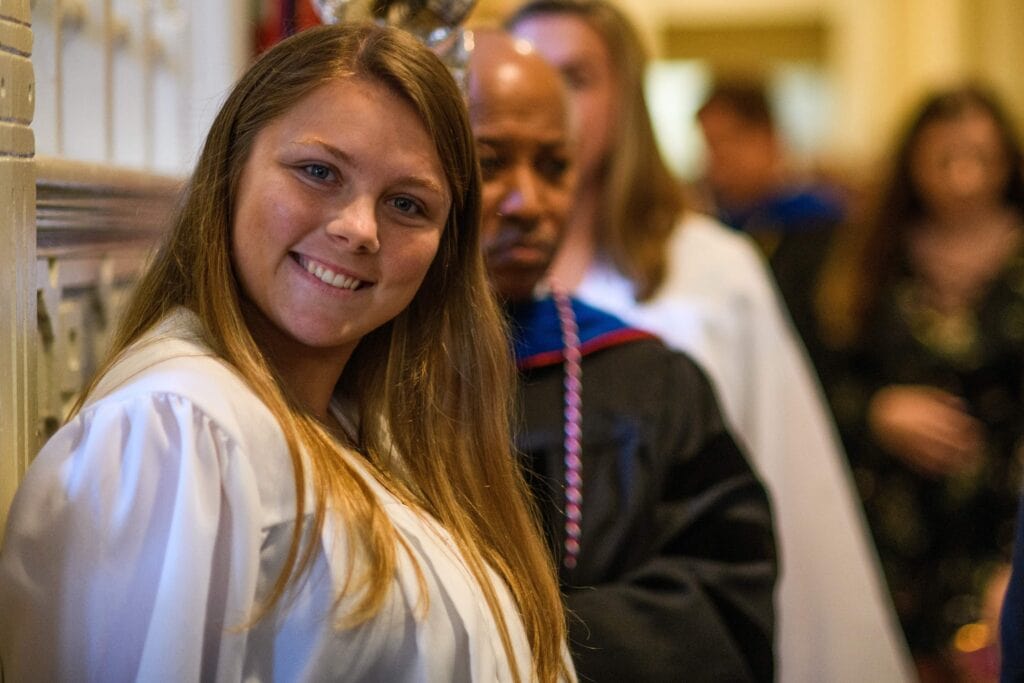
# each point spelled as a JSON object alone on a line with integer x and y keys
{"x": 103, "y": 104}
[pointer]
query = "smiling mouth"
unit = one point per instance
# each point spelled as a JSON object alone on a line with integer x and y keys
{"x": 328, "y": 276}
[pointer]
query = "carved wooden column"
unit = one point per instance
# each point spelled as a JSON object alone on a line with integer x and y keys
{"x": 17, "y": 249}
{"x": 95, "y": 225}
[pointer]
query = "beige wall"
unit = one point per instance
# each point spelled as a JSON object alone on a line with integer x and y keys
{"x": 888, "y": 53}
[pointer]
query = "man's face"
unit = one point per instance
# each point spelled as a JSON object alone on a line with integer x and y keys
{"x": 520, "y": 122}
{"x": 742, "y": 157}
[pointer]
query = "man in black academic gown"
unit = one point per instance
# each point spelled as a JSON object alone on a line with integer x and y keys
{"x": 669, "y": 571}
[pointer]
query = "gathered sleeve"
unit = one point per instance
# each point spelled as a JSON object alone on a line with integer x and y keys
{"x": 132, "y": 549}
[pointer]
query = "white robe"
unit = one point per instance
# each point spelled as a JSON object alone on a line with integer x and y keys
{"x": 150, "y": 526}
{"x": 836, "y": 622}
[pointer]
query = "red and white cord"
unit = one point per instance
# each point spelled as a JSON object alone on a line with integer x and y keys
{"x": 573, "y": 416}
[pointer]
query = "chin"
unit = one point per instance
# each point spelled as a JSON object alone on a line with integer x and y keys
{"x": 319, "y": 333}
{"x": 516, "y": 288}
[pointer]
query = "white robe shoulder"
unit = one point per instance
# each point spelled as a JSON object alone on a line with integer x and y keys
{"x": 151, "y": 527}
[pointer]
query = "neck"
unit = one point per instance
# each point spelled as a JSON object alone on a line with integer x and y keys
{"x": 310, "y": 374}
{"x": 311, "y": 379}
{"x": 579, "y": 244}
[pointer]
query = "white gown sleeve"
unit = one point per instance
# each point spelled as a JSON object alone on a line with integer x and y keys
{"x": 132, "y": 550}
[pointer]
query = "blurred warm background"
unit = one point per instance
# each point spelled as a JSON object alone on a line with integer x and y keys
{"x": 135, "y": 83}
{"x": 842, "y": 73}
{"x": 105, "y": 103}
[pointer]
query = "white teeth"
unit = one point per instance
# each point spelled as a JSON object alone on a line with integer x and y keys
{"x": 344, "y": 281}
{"x": 329, "y": 277}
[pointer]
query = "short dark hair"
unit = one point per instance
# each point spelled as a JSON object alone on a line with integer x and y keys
{"x": 747, "y": 99}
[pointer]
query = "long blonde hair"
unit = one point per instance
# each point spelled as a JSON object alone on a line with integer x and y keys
{"x": 433, "y": 386}
{"x": 641, "y": 200}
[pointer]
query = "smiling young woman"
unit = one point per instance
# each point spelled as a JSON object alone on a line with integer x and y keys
{"x": 331, "y": 239}
{"x": 286, "y": 468}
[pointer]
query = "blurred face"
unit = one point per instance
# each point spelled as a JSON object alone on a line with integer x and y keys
{"x": 521, "y": 126}
{"x": 331, "y": 238}
{"x": 578, "y": 52}
{"x": 741, "y": 157}
{"x": 960, "y": 164}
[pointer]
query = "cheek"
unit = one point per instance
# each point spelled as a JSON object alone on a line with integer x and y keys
{"x": 603, "y": 107}
{"x": 287, "y": 218}
{"x": 245, "y": 247}
{"x": 750, "y": 159}
{"x": 931, "y": 176}
{"x": 271, "y": 220}
{"x": 251, "y": 246}
{"x": 489, "y": 229}
{"x": 595, "y": 114}
{"x": 559, "y": 204}
{"x": 591, "y": 119}
{"x": 414, "y": 259}
{"x": 490, "y": 203}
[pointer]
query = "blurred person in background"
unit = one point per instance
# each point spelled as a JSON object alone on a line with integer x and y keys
{"x": 748, "y": 185}
{"x": 633, "y": 248}
{"x": 661, "y": 530}
{"x": 923, "y": 312}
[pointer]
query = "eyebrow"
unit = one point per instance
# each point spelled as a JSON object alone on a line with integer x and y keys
{"x": 345, "y": 158}
{"x": 576, "y": 64}
{"x": 501, "y": 141}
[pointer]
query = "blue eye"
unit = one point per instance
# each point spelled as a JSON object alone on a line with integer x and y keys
{"x": 318, "y": 171}
{"x": 407, "y": 205}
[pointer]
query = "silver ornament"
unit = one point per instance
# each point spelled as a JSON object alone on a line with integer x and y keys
{"x": 432, "y": 21}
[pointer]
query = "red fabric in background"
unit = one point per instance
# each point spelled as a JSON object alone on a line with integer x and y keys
{"x": 277, "y": 19}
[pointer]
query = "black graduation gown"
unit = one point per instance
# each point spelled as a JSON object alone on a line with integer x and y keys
{"x": 677, "y": 563}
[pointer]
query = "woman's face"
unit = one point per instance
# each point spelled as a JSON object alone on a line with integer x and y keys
{"x": 339, "y": 213}
{"x": 579, "y": 53}
{"x": 960, "y": 163}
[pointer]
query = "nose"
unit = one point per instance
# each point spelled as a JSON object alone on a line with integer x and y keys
{"x": 965, "y": 174}
{"x": 355, "y": 224}
{"x": 524, "y": 195}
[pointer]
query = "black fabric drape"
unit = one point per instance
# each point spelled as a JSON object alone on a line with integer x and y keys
{"x": 677, "y": 564}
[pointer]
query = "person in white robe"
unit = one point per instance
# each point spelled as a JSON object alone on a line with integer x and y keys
{"x": 284, "y": 470}
{"x": 151, "y": 524}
